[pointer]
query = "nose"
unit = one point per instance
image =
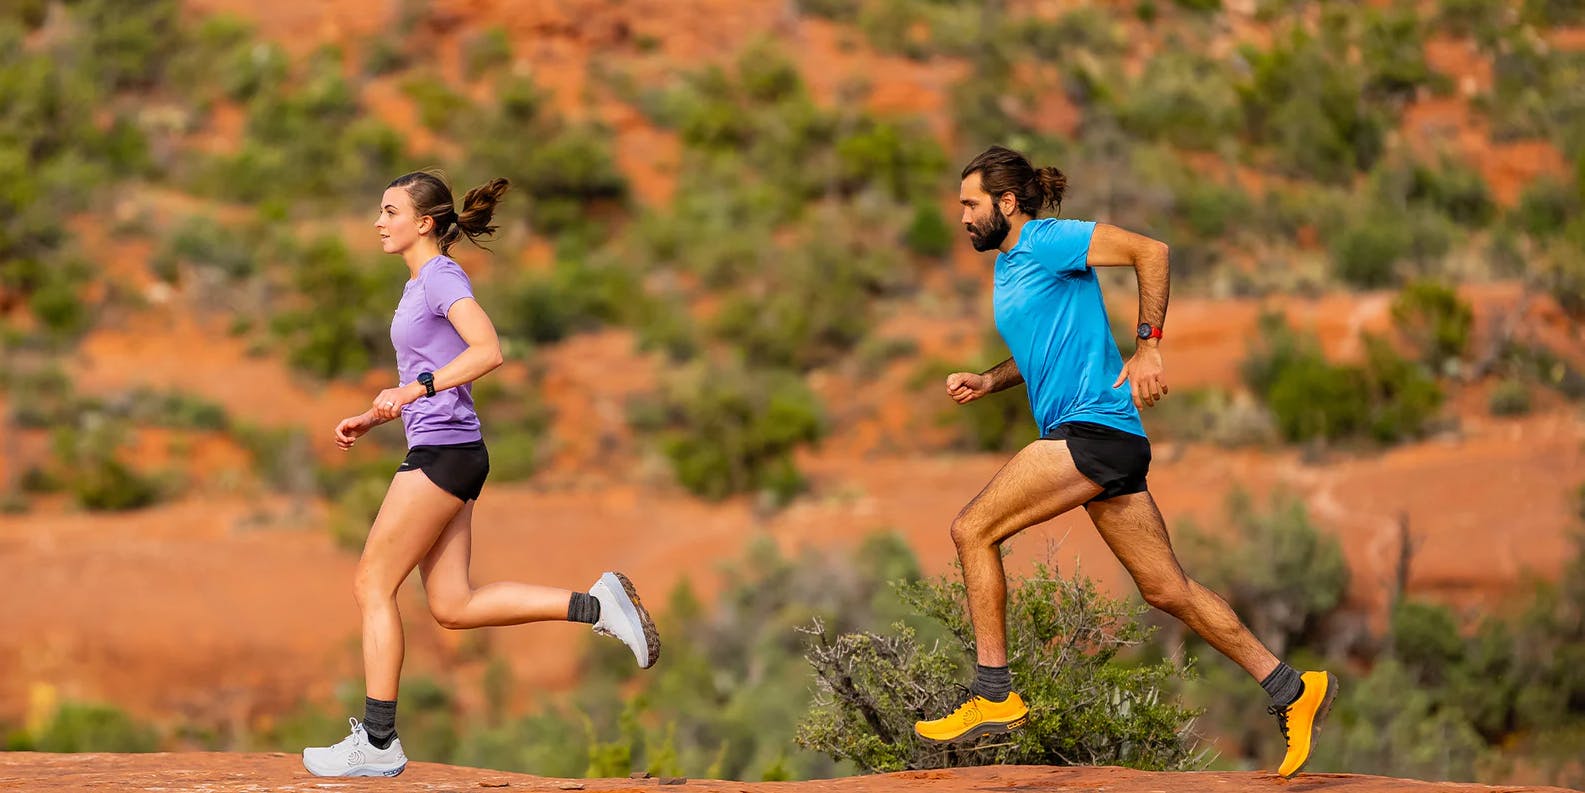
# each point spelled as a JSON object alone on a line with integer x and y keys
{"x": 968, "y": 219}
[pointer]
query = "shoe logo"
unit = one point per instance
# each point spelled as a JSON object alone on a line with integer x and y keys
{"x": 355, "y": 757}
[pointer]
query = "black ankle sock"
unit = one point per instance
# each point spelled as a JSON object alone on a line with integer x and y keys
{"x": 1284, "y": 685}
{"x": 583, "y": 608}
{"x": 992, "y": 682}
{"x": 379, "y": 721}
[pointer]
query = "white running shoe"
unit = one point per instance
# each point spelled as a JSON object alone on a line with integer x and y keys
{"x": 355, "y": 756}
{"x": 623, "y": 616}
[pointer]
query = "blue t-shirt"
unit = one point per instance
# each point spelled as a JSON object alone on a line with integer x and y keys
{"x": 1050, "y": 313}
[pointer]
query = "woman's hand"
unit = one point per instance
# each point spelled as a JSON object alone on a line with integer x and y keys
{"x": 351, "y": 429}
{"x": 388, "y": 405}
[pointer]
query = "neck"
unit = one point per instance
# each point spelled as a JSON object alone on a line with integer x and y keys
{"x": 422, "y": 251}
{"x": 1016, "y": 230}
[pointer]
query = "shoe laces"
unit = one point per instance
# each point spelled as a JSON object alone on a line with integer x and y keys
{"x": 359, "y": 735}
{"x": 968, "y": 712}
{"x": 1281, "y": 712}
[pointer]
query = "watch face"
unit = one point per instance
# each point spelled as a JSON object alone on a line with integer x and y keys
{"x": 1144, "y": 330}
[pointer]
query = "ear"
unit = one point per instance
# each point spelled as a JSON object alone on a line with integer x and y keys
{"x": 425, "y": 225}
{"x": 1008, "y": 203}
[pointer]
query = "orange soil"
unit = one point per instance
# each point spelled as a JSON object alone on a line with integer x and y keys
{"x": 235, "y": 773}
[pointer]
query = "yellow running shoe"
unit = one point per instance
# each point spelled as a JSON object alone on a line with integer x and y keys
{"x": 974, "y": 718}
{"x": 1301, "y": 721}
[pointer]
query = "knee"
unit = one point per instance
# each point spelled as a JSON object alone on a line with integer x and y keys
{"x": 967, "y": 533}
{"x": 369, "y": 589}
{"x": 449, "y": 612}
{"x": 1172, "y": 596}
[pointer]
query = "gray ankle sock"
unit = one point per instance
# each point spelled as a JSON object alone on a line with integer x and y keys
{"x": 379, "y": 721}
{"x": 583, "y": 607}
{"x": 992, "y": 682}
{"x": 1284, "y": 685}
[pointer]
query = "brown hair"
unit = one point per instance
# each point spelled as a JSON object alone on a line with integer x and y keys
{"x": 432, "y": 196}
{"x": 1003, "y": 170}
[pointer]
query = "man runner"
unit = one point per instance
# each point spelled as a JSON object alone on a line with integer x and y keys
{"x": 1092, "y": 452}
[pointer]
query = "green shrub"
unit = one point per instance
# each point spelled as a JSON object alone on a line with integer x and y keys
{"x": 903, "y": 162}
{"x": 1434, "y": 320}
{"x": 1309, "y": 105}
{"x": 928, "y": 234}
{"x": 1392, "y": 49}
{"x": 439, "y": 107}
{"x": 1476, "y": 19}
{"x": 1509, "y": 398}
{"x": 1064, "y": 642}
{"x": 86, "y": 727}
{"x": 1184, "y": 97}
{"x": 384, "y": 56}
{"x": 1366, "y": 252}
{"x": 730, "y": 429}
{"x": 1387, "y": 399}
{"x": 575, "y": 296}
{"x": 814, "y": 307}
{"x": 1426, "y": 640}
{"x": 340, "y": 323}
{"x": 1403, "y": 398}
{"x": 1277, "y": 569}
{"x": 1277, "y": 348}
{"x": 89, "y": 456}
{"x": 1545, "y": 207}
{"x": 1385, "y": 724}
{"x": 203, "y": 243}
{"x": 489, "y": 50}
{"x": 128, "y": 46}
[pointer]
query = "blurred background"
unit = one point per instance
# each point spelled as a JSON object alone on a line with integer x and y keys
{"x": 730, "y": 281}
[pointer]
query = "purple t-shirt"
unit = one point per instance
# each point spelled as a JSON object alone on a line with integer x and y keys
{"x": 425, "y": 341}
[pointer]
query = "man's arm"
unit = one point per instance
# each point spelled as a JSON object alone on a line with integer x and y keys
{"x": 1004, "y": 375}
{"x": 1111, "y": 246}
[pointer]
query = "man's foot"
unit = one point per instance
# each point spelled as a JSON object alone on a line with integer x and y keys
{"x": 974, "y": 718}
{"x": 355, "y": 756}
{"x": 1301, "y": 721}
{"x": 622, "y": 615}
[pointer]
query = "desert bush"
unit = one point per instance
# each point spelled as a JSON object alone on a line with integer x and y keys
{"x": 489, "y": 50}
{"x": 97, "y": 478}
{"x": 1510, "y": 397}
{"x": 1386, "y": 399}
{"x": 339, "y": 325}
{"x": 1432, "y": 318}
{"x": 576, "y": 295}
{"x": 1065, "y": 640}
{"x": 728, "y": 428}
{"x": 1309, "y": 106}
{"x": 1276, "y": 568}
{"x": 129, "y": 46}
{"x": 201, "y": 242}
{"x": 90, "y": 727}
{"x": 1185, "y": 97}
{"x": 928, "y": 234}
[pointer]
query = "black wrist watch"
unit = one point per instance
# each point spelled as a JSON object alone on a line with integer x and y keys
{"x": 427, "y": 380}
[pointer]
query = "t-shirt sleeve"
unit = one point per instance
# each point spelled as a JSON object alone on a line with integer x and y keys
{"x": 1063, "y": 245}
{"x": 446, "y": 285}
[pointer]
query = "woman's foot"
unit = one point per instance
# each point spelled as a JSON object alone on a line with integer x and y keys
{"x": 355, "y": 756}
{"x": 622, "y": 615}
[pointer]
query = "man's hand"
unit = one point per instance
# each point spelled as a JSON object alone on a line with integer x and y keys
{"x": 965, "y": 387}
{"x": 1143, "y": 374}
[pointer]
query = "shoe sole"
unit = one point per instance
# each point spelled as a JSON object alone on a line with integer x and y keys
{"x": 364, "y": 771}
{"x": 978, "y": 731}
{"x": 1320, "y": 718}
{"x": 639, "y": 614}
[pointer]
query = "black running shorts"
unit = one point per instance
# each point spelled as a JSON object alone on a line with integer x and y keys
{"x": 1115, "y": 460}
{"x": 459, "y": 468}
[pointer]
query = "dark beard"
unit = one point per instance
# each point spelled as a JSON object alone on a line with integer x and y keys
{"x": 990, "y": 236}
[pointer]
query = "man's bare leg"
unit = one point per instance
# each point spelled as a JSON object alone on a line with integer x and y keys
{"x": 1132, "y": 526}
{"x": 1038, "y": 484}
